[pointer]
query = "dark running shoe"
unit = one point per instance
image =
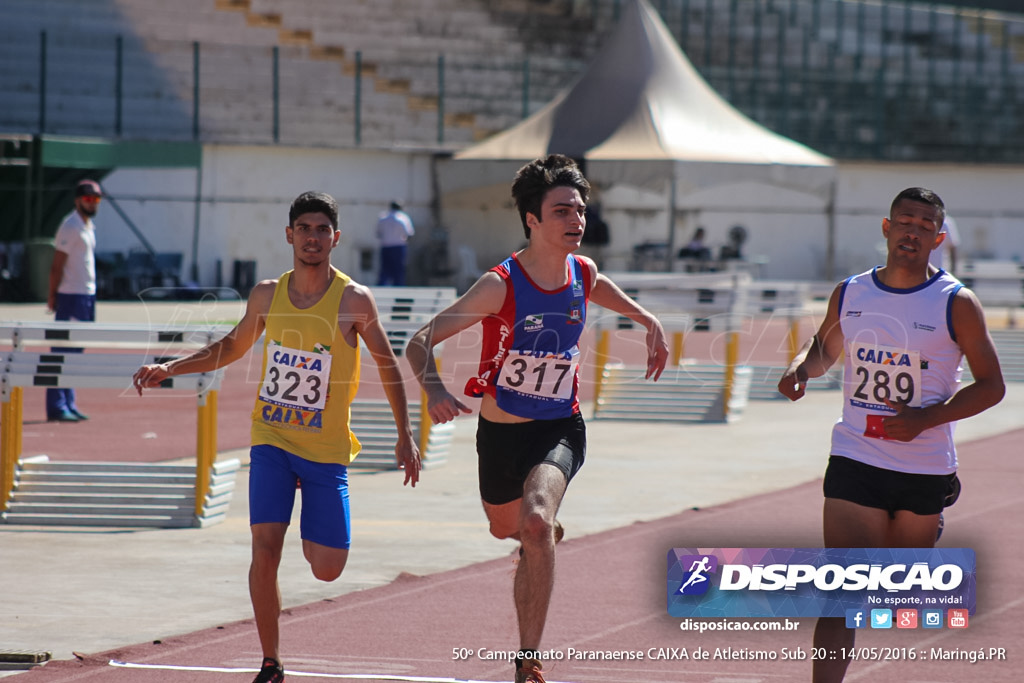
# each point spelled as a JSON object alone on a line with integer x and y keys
{"x": 530, "y": 673}
{"x": 272, "y": 672}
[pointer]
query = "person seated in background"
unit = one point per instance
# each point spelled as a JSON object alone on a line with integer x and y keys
{"x": 696, "y": 248}
{"x": 733, "y": 248}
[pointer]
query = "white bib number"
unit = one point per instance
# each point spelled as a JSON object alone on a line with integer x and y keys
{"x": 885, "y": 373}
{"x": 296, "y": 379}
{"x": 548, "y": 376}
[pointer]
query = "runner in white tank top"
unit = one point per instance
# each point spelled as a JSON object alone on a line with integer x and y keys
{"x": 904, "y": 328}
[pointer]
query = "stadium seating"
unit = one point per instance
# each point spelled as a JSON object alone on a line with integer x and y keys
{"x": 901, "y": 81}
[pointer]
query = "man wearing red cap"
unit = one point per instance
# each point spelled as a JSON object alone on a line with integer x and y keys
{"x": 72, "y": 294}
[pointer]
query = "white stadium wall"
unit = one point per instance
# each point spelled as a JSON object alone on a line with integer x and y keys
{"x": 247, "y": 190}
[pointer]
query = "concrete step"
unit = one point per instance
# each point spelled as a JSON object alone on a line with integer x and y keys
{"x": 109, "y": 467}
{"x": 78, "y": 520}
{"x": 116, "y": 494}
{"x": 92, "y": 500}
{"x": 123, "y": 511}
{"x": 84, "y": 477}
{"x": 43, "y": 486}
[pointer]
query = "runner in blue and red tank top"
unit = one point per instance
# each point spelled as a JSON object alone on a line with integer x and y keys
{"x": 539, "y": 351}
{"x": 531, "y": 438}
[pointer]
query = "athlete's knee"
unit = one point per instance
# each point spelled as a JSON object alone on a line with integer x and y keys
{"x": 535, "y": 528}
{"x": 327, "y": 571}
{"x": 325, "y": 563}
{"x": 266, "y": 550}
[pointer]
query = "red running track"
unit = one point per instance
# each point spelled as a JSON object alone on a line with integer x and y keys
{"x": 610, "y": 596}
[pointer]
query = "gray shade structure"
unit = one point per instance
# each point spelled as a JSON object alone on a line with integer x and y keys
{"x": 642, "y": 116}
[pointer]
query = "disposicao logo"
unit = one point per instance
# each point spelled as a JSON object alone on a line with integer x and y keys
{"x": 817, "y": 582}
{"x": 697, "y": 579}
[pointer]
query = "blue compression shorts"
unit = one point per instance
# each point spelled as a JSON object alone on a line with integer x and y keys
{"x": 273, "y": 476}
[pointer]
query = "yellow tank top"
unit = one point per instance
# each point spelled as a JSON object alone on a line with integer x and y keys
{"x": 309, "y": 378}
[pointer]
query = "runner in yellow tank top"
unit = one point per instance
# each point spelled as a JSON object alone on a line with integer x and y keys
{"x": 310, "y": 376}
{"x": 314, "y": 317}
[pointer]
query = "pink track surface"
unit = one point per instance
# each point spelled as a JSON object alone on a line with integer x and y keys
{"x": 610, "y": 595}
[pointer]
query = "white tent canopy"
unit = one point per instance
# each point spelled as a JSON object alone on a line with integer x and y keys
{"x": 642, "y": 116}
{"x": 642, "y": 100}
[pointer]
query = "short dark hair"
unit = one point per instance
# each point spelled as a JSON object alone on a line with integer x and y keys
{"x": 923, "y": 196}
{"x": 534, "y": 180}
{"x": 314, "y": 202}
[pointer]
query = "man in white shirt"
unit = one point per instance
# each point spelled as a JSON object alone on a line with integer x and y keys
{"x": 944, "y": 256}
{"x": 394, "y": 228}
{"x": 72, "y": 293}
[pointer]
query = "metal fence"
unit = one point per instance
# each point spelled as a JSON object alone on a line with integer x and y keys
{"x": 851, "y": 78}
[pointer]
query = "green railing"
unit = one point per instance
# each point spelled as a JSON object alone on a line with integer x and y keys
{"x": 854, "y": 79}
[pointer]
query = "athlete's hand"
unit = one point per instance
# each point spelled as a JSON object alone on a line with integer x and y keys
{"x": 793, "y": 384}
{"x": 443, "y": 407}
{"x": 657, "y": 351}
{"x": 149, "y": 376}
{"x": 407, "y": 455}
{"x": 906, "y": 424}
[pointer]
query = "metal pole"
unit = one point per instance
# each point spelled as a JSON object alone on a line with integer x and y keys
{"x": 839, "y": 37}
{"x": 684, "y": 25}
{"x": 113, "y": 203}
{"x": 883, "y": 62}
{"x": 38, "y": 185}
{"x": 359, "y": 97}
{"x": 277, "y": 95}
{"x": 858, "y": 57}
{"x": 880, "y": 114}
{"x": 907, "y": 20}
{"x": 709, "y": 10}
{"x": 730, "y": 90}
{"x": 933, "y": 40}
{"x": 30, "y": 150}
{"x": 195, "y": 90}
{"x": 830, "y": 233}
{"x": 118, "y": 84}
{"x": 526, "y": 87}
{"x": 42, "y": 82}
{"x": 979, "y": 47}
{"x": 780, "y": 68}
{"x": 671, "y": 242}
{"x": 195, "y": 221}
{"x": 440, "y": 99}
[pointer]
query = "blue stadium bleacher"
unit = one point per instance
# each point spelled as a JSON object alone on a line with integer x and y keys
{"x": 854, "y": 79}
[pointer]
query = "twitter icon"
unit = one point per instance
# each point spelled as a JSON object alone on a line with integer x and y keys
{"x": 881, "y": 618}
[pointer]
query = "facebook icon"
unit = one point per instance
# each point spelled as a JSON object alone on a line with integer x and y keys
{"x": 855, "y": 618}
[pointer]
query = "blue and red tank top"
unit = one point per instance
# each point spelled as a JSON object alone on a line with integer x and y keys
{"x": 529, "y": 361}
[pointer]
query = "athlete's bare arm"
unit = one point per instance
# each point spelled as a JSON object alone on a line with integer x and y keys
{"x": 607, "y": 294}
{"x": 224, "y": 351}
{"x": 358, "y": 309}
{"x": 817, "y": 355}
{"x": 484, "y": 298}
{"x": 985, "y": 391}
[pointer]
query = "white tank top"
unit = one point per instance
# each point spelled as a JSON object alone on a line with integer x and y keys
{"x": 899, "y": 344}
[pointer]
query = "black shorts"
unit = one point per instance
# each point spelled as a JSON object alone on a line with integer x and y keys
{"x": 875, "y": 487}
{"x": 507, "y": 452}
